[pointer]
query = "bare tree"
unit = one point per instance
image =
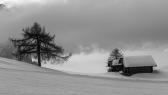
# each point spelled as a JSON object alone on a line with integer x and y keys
{"x": 38, "y": 43}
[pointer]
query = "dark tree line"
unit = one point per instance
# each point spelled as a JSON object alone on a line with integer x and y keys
{"x": 115, "y": 54}
{"x": 39, "y": 44}
{"x": 6, "y": 50}
{"x": 2, "y": 6}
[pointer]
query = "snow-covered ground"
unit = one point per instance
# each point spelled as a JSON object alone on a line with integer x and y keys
{"x": 18, "y": 78}
{"x": 94, "y": 64}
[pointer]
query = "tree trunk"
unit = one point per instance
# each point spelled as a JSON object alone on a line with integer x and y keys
{"x": 38, "y": 52}
{"x": 39, "y": 59}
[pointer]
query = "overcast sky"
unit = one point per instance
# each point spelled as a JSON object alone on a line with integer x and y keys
{"x": 82, "y": 23}
{"x": 138, "y": 27}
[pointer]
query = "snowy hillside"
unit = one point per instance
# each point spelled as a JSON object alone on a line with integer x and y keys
{"x": 18, "y": 78}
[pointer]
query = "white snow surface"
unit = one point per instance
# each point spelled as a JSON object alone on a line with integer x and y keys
{"x": 19, "y": 78}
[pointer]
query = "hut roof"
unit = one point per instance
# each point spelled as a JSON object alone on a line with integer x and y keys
{"x": 139, "y": 61}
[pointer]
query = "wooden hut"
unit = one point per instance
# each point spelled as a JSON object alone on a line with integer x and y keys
{"x": 138, "y": 64}
{"x": 115, "y": 65}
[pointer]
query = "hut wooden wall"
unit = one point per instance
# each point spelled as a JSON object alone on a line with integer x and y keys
{"x": 133, "y": 70}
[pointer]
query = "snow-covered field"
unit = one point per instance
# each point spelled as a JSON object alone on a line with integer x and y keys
{"x": 18, "y": 78}
{"x": 94, "y": 64}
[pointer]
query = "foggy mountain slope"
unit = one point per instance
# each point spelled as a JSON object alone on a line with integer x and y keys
{"x": 29, "y": 81}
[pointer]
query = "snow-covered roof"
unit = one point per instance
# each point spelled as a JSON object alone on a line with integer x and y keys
{"x": 139, "y": 61}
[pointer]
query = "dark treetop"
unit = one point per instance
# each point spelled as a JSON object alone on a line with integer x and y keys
{"x": 39, "y": 44}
